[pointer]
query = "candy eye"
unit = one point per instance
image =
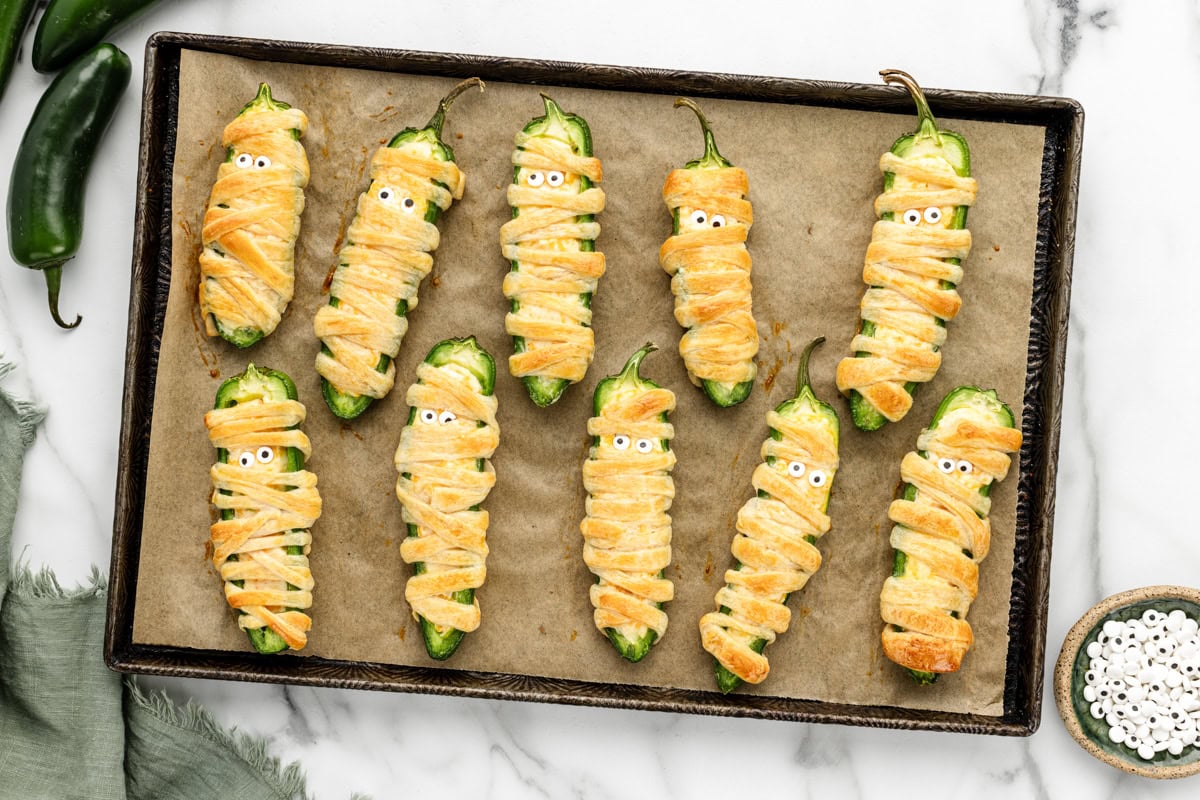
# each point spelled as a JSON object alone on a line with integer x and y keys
{"x": 621, "y": 441}
{"x": 386, "y": 194}
{"x": 964, "y": 467}
{"x": 716, "y": 221}
{"x": 265, "y": 455}
{"x": 933, "y": 215}
{"x": 244, "y": 160}
{"x": 817, "y": 478}
{"x": 644, "y": 445}
{"x": 554, "y": 178}
{"x": 535, "y": 179}
{"x": 946, "y": 465}
{"x": 246, "y": 459}
{"x": 446, "y": 417}
{"x": 428, "y": 415}
{"x": 409, "y": 205}
{"x": 912, "y": 217}
{"x": 795, "y": 469}
{"x": 699, "y": 217}
{"x": 262, "y": 162}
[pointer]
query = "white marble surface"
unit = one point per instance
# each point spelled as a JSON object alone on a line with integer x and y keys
{"x": 1128, "y": 437}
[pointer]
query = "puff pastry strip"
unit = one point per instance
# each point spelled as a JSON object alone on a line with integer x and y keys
{"x": 247, "y": 274}
{"x": 627, "y": 531}
{"x": 550, "y": 242}
{"x": 942, "y": 531}
{"x": 388, "y": 252}
{"x": 777, "y": 531}
{"x": 444, "y": 474}
{"x": 267, "y": 502}
{"x": 709, "y": 266}
{"x": 911, "y": 269}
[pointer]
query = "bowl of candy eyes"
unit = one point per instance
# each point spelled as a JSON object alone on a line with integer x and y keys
{"x": 1127, "y": 682}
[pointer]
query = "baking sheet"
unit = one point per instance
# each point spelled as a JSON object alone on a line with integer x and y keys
{"x": 813, "y": 176}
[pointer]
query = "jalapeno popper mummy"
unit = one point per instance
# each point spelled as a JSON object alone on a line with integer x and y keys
{"x": 247, "y": 273}
{"x": 267, "y": 502}
{"x": 627, "y": 531}
{"x": 386, "y": 256}
{"x": 550, "y": 243}
{"x": 912, "y": 268}
{"x": 444, "y": 476}
{"x": 942, "y": 531}
{"x": 709, "y": 266}
{"x": 777, "y": 531}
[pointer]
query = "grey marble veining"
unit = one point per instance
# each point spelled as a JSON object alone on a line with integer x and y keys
{"x": 1129, "y": 431}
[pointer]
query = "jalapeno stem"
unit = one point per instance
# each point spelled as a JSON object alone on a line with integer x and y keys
{"x": 552, "y": 109}
{"x": 926, "y": 124}
{"x": 802, "y": 374}
{"x": 634, "y": 365}
{"x": 712, "y": 157}
{"x": 53, "y": 284}
{"x": 264, "y": 99}
{"x": 439, "y": 116}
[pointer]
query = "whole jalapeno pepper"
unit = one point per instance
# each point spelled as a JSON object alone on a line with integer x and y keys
{"x": 14, "y": 19}
{"x": 45, "y": 197}
{"x": 70, "y": 28}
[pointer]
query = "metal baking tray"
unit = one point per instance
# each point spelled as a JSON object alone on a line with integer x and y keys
{"x": 1062, "y": 120}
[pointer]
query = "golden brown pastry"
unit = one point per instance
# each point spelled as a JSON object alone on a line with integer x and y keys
{"x": 942, "y": 531}
{"x": 267, "y": 502}
{"x": 709, "y": 266}
{"x": 627, "y": 531}
{"x": 444, "y": 476}
{"x": 247, "y": 274}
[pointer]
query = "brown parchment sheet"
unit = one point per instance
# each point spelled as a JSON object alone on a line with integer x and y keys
{"x": 813, "y": 176}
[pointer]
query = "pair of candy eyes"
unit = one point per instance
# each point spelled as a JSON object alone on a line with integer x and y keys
{"x": 948, "y": 465}
{"x": 932, "y": 215}
{"x": 263, "y": 455}
{"x": 699, "y": 217}
{"x": 246, "y": 160}
{"x": 430, "y": 416}
{"x": 388, "y": 195}
{"x": 621, "y": 442}
{"x": 816, "y": 477}
{"x": 553, "y": 178}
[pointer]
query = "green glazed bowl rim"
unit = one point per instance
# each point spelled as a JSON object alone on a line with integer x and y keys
{"x": 1090, "y": 733}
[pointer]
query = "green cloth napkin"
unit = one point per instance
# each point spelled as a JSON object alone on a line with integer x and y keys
{"x": 70, "y": 728}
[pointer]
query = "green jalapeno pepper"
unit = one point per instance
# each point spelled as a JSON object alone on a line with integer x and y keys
{"x": 269, "y": 385}
{"x": 70, "y": 27}
{"x": 440, "y": 643}
{"x": 45, "y": 196}
{"x": 14, "y": 19}
{"x": 545, "y": 391}
{"x": 344, "y": 404}
{"x": 961, "y": 397}
{"x": 723, "y": 393}
{"x": 953, "y": 148}
{"x": 806, "y": 407}
{"x": 629, "y": 386}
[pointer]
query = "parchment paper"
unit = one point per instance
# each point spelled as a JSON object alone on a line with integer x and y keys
{"x": 813, "y": 176}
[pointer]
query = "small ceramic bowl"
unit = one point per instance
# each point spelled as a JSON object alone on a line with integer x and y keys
{"x": 1091, "y": 733}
